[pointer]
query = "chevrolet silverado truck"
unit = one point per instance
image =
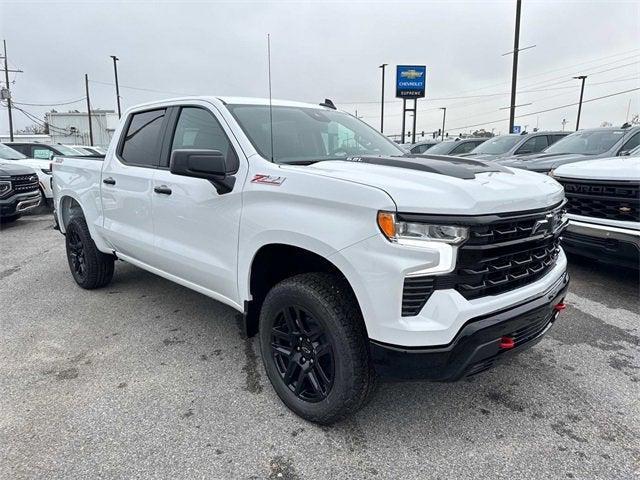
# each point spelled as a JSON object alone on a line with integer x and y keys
{"x": 603, "y": 208}
{"x": 19, "y": 191}
{"x": 350, "y": 258}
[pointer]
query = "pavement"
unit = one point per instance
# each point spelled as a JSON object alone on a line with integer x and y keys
{"x": 146, "y": 379}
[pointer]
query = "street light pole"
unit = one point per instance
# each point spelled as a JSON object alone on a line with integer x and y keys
{"x": 382, "y": 99}
{"x": 583, "y": 78}
{"x": 514, "y": 73}
{"x": 115, "y": 71}
{"x": 444, "y": 117}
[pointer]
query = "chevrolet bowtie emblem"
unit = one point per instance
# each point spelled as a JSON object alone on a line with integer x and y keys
{"x": 624, "y": 209}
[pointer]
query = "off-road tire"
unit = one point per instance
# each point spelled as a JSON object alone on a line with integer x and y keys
{"x": 98, "y": 267}
{"x": 332, "y": 303}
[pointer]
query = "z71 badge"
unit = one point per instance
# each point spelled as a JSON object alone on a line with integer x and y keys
{"x": 268, "y": 179}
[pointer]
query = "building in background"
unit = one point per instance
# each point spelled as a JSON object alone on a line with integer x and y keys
{"x": 72, "y": 128}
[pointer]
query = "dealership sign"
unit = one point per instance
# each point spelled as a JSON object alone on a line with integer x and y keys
{"x": 411, "y": 81}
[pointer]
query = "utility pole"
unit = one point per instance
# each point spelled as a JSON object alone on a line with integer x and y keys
{"x": 444, "y": 117}
{"x": 115, "y": 71}
{"x": 382, "y": 99}
{"x": 583, "y": 78}
{"x": 86, "y": 85}
{"x": 514, "y": 73}
{"x": 8, "y": 90}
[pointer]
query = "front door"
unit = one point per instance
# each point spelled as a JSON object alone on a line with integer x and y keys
{"x": 196, "y": 228}
{"x": 127, "y": 185}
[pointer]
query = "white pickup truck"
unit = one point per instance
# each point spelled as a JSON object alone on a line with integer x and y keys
{"x": 351, "y": 259}
{"x": 603, "y": 206}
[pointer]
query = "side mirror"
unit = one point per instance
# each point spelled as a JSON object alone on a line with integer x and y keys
{"x": 208, "y": 164}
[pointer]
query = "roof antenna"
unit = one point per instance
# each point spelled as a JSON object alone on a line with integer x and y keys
{"x": 270, "y": 106}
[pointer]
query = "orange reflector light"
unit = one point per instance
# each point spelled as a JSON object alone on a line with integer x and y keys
{"x": 560, "y": 306}
{"x": 387, "y": 223}
{"x": 507, "y": 343}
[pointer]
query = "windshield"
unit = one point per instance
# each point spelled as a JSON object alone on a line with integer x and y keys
{"x": 442, "y": 148}
{"x": 587, "y": 143}
{"x": 497, "y": 145}
{"x": 306, "y": 135}
{"x": 8, "y": 153}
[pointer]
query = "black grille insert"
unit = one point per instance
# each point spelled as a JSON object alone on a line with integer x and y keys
{"x": 501, "y": 254}
{"x": 603, "y": 199}
{"x": 415, "y": 294}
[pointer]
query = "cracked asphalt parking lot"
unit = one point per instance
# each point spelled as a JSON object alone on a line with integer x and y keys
{"x": 146, "y": 379}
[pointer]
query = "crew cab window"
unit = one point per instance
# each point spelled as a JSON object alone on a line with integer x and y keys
{"x": 534, "y": 145}
{"x": 420, "y": 148}
{"x": 632, "y": 143}
{"x": 198, "y": 129}
{"x": 141, "y": 145}
{"x": 465, "y": 147}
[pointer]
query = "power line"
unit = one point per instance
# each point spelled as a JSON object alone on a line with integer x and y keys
{"x": 53, "y": 104}
{"x": 535, "y": 84}
{"x": 547, "y": 110}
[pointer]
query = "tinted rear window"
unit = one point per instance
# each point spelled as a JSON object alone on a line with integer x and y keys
{"x": 142, "y": 142}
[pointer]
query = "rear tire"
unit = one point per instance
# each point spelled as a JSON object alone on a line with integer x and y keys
{"x": 314, "y": 347}
{"x": 89, "y": 266}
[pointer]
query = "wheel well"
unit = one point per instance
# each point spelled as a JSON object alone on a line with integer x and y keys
{"x": 69, "y": 208}
{"x": 272, "y": 264}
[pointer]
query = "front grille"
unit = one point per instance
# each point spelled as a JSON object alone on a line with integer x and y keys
{"x": 612, "y": 200}
{"x": 24, "y": 183}
{"x": 501, "y": 254}
{"x": 535, "y": 328}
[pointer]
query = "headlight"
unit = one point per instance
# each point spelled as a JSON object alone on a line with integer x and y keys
{"x": 551, "y": 173}
{"x": 43, "y": 170}
{"x": 412, "y": 233}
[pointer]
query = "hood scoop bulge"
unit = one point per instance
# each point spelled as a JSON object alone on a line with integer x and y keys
{"x": 462, "y": 168}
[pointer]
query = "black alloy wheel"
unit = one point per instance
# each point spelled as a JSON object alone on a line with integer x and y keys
{"x": 303, "y": 354}
{"x": 77, "y": 257}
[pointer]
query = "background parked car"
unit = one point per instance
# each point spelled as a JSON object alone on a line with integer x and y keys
{"x": 419, "y": 147}
{"x": 511, "y": 145}
{"x": 42, "y": 169}
{"x": 581, "y": 145}
{"x": 603, "y": 206}
{"x": 456, "y": 147}
{"x": 18, "y": 191}
{"x": 44, "y": 150}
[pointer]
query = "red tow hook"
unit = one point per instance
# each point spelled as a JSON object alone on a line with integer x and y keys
{"x": 507, "y": 342}
{"x": 559, "y": 307}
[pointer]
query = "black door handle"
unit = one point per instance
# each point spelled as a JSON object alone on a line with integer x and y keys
{"x": 109, "y": 181}
{"x": 163, "y": 189}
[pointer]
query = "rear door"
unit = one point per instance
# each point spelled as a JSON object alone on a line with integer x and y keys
{"x": 196, "y": 227}
{"x": 127, "y": 184}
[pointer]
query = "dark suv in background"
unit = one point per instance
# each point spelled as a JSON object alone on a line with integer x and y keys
{"x": 43, "y": 150}
{"x": 505, "y": 146}
{"x": 455, "y": 147}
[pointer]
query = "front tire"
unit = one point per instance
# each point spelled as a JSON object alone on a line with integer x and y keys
{"x": 89, "y": 266}
{"x": 314, "y": 347}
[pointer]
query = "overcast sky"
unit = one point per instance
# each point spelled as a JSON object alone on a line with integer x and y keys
{"x": 332, "y": 50}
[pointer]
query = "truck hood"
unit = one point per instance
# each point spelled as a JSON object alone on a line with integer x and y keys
{"x": 542, "y": 162}
{"x": 438, "y": 185}
{"x": 7, "y": 169}
{"x": 614, "y": 168}
{"x": 482, "y": 156}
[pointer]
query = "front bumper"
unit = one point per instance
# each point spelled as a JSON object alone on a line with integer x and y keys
{"x": 19, "y": 204}
{"x": 609, "y": 244}
{"x": 476, "y": 347}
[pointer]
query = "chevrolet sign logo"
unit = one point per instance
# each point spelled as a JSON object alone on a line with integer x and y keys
{"x": 624, "y": 209}
{"x": 411, "y": 74}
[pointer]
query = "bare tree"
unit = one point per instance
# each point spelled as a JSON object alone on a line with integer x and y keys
{"x": 34, "y": 129}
